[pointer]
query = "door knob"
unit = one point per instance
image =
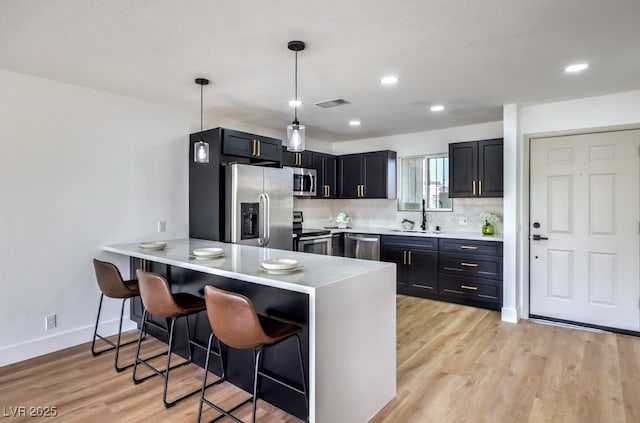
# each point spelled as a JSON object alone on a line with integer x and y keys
{"x": 539, "y": 238}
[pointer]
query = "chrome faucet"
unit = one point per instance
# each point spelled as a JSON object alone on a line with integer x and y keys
{"x": 423, "y": 225}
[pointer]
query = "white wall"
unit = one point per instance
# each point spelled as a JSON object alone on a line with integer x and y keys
{"x": 78, "y": 169}
{"x": 582, "y": 115}
{"x": 384, "y": 213}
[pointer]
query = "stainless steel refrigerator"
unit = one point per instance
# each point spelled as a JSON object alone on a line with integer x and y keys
{"x": 259, "y": 206}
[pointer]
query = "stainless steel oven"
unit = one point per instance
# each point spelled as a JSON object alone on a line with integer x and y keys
{"x": 317, "y": 241}
{"x": 317, "y": 244}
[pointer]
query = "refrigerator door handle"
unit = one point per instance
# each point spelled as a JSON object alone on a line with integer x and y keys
{"x": 267, "y": 229}
{"x": 262, "y": 204}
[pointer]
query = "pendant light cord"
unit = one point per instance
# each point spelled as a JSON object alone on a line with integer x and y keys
{"x": 201, "y": 103}
{"x": 295, "y": 109}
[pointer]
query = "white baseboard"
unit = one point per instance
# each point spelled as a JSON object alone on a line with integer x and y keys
{"x": 510, "y": 315}
{"x": 59, "y": 341}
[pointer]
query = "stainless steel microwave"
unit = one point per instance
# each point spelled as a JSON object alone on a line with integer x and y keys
{"x": 304, "y": 182}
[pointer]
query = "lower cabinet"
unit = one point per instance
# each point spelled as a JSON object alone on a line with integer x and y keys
{"x": 416, "y": 260}
{"x": 470, "y": 272}
{"x": 445, "y": 269}
{"x": 337, "y": 245}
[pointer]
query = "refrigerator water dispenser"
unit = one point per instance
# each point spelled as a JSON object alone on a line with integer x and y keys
{"x": 250, "y": 226}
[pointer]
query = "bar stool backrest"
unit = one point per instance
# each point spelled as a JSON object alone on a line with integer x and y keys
{"x": 156, "y": 294}
{"x": 233, "y": 319}
{"x": 109, "y": 280}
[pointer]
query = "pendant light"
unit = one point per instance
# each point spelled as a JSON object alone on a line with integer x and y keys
{"x": 201, "y": 148}
{"x": 295, "y": 131}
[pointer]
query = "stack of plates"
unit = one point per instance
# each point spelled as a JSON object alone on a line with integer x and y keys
{"x": 280, "y": 266}
{"x": 208, "y": 253}
{"x": 153, "y": 245}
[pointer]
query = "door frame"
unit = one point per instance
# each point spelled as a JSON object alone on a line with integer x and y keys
{"x": 525, "y": 261}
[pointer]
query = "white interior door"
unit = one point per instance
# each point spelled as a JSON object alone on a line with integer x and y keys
{"x": 585, "y": 207}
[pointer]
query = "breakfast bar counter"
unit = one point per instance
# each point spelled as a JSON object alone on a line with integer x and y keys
{"x": 346, "y": 307}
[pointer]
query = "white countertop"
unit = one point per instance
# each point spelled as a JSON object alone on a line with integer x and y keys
{"x": 243, "y": 262}
{"x": 443, "y": 234}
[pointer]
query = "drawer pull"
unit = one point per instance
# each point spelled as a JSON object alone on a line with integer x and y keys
{"x": 469, "y": 264}
{"x": 468, "y": 247}
{"x": 471, "y": 288}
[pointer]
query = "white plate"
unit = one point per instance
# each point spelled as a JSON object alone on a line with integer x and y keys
{"x": 203, "y": 258}
{"x": 153, "y": 245}
{"x": 279, "y": 264}
{"x": 208, "y": 252}
{"x": 281, "y": 271}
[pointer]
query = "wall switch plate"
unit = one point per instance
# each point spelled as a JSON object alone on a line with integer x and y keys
{"x": 462, "y": 220}
{"x": 50, "y": 321}
{"x": 162, "y": 226}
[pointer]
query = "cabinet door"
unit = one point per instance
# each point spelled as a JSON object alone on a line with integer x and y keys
{"x": 303, "y": 159}
{"x": 398, "y": 256}
{"x": 463, "y": 169}
{"x": 235, "y": 143}
{"x": 374, "y": 168}
{"x": 325, "y": 166}
{"x": 350, "y": 175}
{"x": 289, "y": 158}
{"x": 269, "y": 149}
{"x": 490, "y": 168}
{"x": 423, "y": 271}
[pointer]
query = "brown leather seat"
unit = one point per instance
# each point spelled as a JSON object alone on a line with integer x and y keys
{"x": 236, "y": 323}
{"x": 112, "y": 285}
{"x": 159, "y": 301}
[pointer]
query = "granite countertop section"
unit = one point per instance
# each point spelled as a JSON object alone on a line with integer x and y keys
{"x": 243, "y": 262}
{"x": 417, "y": 232}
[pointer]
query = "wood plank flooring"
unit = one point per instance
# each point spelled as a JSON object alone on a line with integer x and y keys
{"x": 455, "y": 364}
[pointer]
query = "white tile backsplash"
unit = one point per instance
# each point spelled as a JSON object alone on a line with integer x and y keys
{"x": 377, "y": 213}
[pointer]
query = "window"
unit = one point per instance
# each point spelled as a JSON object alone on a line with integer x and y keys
{"x": 424, "y": 177}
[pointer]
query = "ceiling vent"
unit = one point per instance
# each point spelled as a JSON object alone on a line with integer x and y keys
{"x": 332, "y": 103}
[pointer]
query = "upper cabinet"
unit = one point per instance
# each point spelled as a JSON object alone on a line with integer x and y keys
{"x": 303, "y": 159}
{"x": 255, "y": 147}
{"x": 327, "y": 175}
{"x": 476, "y": 169}
{"x": 367, "y": 175}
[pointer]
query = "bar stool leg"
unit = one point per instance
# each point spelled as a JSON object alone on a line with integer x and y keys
{"x": 166, "y": 373}
{"x": 113, "y": 346}
{"x": 95, "y": 330}
{"x": 256, "y": 375}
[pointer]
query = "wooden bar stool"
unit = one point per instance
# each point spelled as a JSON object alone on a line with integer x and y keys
{"x": 235, "y": 323}
{"x": 113, "y": 286}
{"x": 160, "y": 302}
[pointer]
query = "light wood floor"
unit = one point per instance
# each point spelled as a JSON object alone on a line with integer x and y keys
{"x": 455, "y": 364}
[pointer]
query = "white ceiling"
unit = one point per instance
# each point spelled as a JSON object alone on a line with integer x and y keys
{"x": 472, "y": 56}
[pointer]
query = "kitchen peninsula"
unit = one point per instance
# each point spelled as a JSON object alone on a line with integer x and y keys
{"x": 346, "y": 307}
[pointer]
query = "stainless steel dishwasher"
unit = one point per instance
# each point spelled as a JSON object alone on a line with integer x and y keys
{"x": 362, "y": 246}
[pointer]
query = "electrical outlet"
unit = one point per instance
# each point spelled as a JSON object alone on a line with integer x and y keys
{"x": 50, "y": 321}
{"x": 462, "y": 220}
{"x": 162, "y": 226}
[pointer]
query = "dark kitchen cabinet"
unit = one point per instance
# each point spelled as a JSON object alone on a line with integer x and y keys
{"x": 476, "y": 169}
{"x": 470, "y": 272}
{"x": 416, "y": 260}
{"x": 254, "y": 147}
{"x": 302, "y": 159}
{"x": 367, "y": 175}
{"x": 327, "y": 175}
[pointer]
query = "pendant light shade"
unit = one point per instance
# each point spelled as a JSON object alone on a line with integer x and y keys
{"x": 201, "y": 148}
{"x": 295, "y": 131}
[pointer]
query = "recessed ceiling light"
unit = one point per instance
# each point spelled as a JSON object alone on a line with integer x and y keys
{"x": 295, "y": 103}
{"x": 354, "y": 122}
{"x": 577, "y": 67}
{"x": 389, "y": 80}
{"x": 437, "y": 108}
